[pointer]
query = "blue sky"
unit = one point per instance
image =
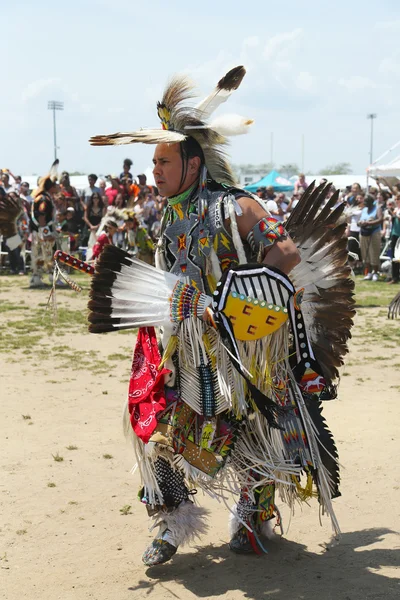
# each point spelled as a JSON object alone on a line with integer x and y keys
{"x": 313, "y": 68}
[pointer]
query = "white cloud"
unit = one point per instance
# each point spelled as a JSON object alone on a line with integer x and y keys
{"x": 35, "y": 88}
{"x": 251, "y": 42}
{"x": 115, "y": 110}
{"x": 357, "y": 83}
{"x": 389, "y": 66}
{"x": 279, "y": 47}
{"x": 388, "y": 25}
{"x": 305, "y": 81}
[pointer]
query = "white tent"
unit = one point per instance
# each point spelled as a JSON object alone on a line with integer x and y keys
{"x": 391, "y": 169}
{"x": 388, "y": 171}
{"x": 339, "y": 181}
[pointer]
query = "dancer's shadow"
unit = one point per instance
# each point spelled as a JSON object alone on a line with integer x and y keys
{"x": 345, "y": 571}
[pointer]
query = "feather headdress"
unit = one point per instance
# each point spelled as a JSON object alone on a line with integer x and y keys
{"x": 179, "y": 121}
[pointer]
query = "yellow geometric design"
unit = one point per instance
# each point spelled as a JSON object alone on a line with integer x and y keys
{"x": 178, "y": 209}
{"x": 253, "y": 319}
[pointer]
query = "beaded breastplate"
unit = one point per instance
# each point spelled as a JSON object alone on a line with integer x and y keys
{"x": 192, "y": 229}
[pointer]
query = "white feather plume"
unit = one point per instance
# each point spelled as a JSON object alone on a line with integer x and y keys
{"x": 226, "y": 125}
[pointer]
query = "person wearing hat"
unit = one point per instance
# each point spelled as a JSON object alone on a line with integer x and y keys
{"x": 143, "y": 186}
{"x": 110, "y": 228}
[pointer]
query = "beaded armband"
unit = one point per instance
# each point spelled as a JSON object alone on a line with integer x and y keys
{"x": 265, "y": 233}
{"x": 186, "y": 301}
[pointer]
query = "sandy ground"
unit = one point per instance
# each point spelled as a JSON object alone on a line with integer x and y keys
{"x": 71, "y": 541}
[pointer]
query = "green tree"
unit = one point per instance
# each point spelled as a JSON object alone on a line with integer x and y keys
{"x": 343, "y": 168}
{"x": 289, "y": 170}
{"x": 76, "y": 173}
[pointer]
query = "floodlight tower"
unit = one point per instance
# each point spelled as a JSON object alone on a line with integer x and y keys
{"x": 55, "y": 105}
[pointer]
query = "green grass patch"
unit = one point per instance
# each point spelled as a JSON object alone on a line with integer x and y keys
{"x": 372, "y": 293}
{"x": 125, "y": 510}
{"x": 57, "y": 457}
{"x": 116, "y": 356}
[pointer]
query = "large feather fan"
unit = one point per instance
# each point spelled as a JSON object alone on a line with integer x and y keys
{"x": 10, "y": 210}
{"x": 325, "y": 275}
{"x": 127, "y": 293}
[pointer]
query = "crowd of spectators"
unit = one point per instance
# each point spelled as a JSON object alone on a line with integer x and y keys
{"x": 373, "y": 215}
{"x": 373, "y": 218}
{"x": 77, "y": 214}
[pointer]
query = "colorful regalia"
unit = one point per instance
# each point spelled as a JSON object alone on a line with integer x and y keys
{"x": 226, "y": 396}
{"x": 42, "y": 228}
{"x": 137, "y": 240}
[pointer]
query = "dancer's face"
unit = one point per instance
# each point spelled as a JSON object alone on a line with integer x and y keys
{"x": 168, "y": 167}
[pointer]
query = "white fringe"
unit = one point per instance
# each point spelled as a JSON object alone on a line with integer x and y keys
{"x": 237, "y": 240}
{"x": 234, "y": 523}
{"x": 186, "y": 523}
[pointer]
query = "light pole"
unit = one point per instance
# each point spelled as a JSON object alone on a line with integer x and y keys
{"x": 371, "y": 116}
{"x": 54, "y": 105}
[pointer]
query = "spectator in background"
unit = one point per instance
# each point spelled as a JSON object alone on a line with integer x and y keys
{"x": 370, "y": 237}
{"x": 25, "y": 195}
{"x": 139, "y": 205}
{"x": 373, "y": 191}
{"x": 394, "y": 237}
{"x": 102, "y": 187}
{"x": 382, "y": 199}
{"x": 273, "y": 207}
{"x": 156, "y": 226}
{"x": 61, "y": 221}
{"x": 283, "y": 204}
{"x": 17, "y": 182}
{"x": 353, "y": 215}
{"x": 149, "y": 210}
{"x": 5, "y": 182}
{"x": 120, "y": 201}
{"x": 301, "y": 185}
{"x": 261, "y": 192}
{"x": 110, "y": 229}
{"x": 293, "y": 202}
{"x": 72, "y": 225}
{"x": 113, "y": 191}
{"x": 89, "y": 191}
{"x": 269, "y": 193}
{"x": 355, "y": 191}
{"x": 143, "y": 184}
{"x": 66, "y": 188}
{"x": 94, "y": 212}
{"x": 126, "y": 176}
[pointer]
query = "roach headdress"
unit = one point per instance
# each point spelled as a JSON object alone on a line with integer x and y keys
{"x": 180, "y": 121}
{"x": 47, "y": 182}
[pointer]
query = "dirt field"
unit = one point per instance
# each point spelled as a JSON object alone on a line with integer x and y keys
{"x": 71, "y": 527}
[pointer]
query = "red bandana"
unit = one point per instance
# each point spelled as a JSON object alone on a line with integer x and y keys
{"x": 146, "y": 395}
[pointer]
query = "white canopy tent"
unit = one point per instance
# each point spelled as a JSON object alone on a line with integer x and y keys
{"x": 390, "y": 171}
